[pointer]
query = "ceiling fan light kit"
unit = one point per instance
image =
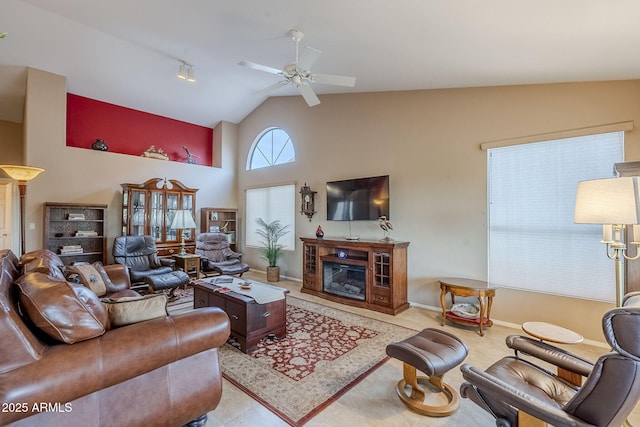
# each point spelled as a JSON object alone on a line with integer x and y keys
{"x": 299, "y": 73}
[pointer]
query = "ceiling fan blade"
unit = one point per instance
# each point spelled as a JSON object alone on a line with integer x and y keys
{"x": 267, "y": 90}
{"x": 259, "y": 67}
{"x": 329, "y": 79}
{"x": 308, "y": 57}
{"x": 308, "y": 94}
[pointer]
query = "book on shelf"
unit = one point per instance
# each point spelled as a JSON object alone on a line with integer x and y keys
{"x": 231, "y": 237}
{"x": 81, "y": 233}
{"x": 71, "y": 246}
{"x": 71, "y": 251}
{"x": 75, "y": 217}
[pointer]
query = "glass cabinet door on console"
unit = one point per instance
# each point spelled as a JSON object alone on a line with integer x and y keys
{"x": 133, "y": 213}
{"x": 149, "y": 208}
{"x": 157, "y": 216}
{"x": 188, "y": 204}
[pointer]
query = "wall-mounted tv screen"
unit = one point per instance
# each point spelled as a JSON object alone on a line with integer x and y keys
{"x": 359, "y": 199}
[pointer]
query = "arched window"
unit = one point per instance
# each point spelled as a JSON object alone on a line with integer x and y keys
{"x": 272, "y": 147}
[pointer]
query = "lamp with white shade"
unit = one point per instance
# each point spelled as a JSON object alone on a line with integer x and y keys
{"x": 22, "y": 174}
{"x": 614, "y": 203}
{"x": 182, "y": 220}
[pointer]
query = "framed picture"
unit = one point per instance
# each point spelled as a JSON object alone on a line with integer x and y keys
{"x": 213, "y": 216}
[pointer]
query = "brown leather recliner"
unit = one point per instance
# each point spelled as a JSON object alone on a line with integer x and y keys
{"x": 159, "y": 372}
{"x": 514, "y": 389}
{"x": 217, "y": 257}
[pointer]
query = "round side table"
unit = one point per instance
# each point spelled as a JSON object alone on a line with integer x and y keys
{"x": 552, "y": 333}
{"x": 556, "y": 334}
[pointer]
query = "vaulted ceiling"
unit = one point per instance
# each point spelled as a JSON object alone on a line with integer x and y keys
{"x": 127, "y": 52}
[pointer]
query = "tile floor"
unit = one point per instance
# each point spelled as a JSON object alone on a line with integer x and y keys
{"x": 373, "y": 401}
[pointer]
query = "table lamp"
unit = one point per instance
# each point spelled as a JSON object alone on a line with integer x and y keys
{"x": 614, "y": 203}
{"x": 182, "y": 220}
{"x": 22, "y": 174}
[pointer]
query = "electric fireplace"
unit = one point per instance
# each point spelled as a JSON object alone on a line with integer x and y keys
{"x": 345, "y": 280}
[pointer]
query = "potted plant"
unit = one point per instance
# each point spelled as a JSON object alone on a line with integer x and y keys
{"x": 272, "y": 249}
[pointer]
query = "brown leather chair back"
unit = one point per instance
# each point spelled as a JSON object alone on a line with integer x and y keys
{"x": 613, "y": 388}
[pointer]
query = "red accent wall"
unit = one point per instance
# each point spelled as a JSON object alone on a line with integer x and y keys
{"x": 129, "y": 131}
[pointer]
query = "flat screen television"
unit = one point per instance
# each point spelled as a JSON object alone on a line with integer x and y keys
{"x": 361, "y": 199}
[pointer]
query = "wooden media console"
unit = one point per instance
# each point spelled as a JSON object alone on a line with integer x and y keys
{"x": 370, "y": 274}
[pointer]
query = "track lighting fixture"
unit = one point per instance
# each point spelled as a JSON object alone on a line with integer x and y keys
{"x": 185, "y": 72}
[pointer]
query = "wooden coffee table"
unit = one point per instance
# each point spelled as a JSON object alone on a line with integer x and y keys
{"x": 250, "y": 320}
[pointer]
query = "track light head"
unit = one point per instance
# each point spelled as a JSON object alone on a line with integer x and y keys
{"x": 185, "y": 72}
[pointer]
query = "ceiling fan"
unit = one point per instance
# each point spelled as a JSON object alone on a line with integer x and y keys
{"x": 298, "y": 73}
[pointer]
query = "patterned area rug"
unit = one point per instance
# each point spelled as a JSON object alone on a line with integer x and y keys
{"x": 326, "y": 352}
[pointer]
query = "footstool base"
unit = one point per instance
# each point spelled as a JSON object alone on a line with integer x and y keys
{"x": 415, "y": 399}
{"x": 433, "y": 352}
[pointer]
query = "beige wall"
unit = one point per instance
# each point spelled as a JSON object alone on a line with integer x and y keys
{"x": 10, "y": 143}
{"x": 88, "y": 176}
{"x": 428, "y": 142}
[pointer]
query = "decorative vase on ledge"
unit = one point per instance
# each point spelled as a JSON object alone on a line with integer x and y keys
{"x": 99, "y": 145}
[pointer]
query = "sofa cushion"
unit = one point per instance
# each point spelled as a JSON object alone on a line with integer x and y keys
{"x": 88, "y": 276}
{"x": 65, "y": 311}
{"x": 49, "y": 265}
{"x": 127, "y": 310}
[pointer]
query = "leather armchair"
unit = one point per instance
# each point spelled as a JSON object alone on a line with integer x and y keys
{"x": 217, "y": 257}
{"x": 140, "y": 255}
{"x": 518, "y": 392}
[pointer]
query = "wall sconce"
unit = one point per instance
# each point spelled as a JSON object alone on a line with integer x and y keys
{"x": 22, "y": 174}
{"x": 307, "y": 206}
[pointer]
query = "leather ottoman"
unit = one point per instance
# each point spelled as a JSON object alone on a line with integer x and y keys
{"x": 171, "y": 280}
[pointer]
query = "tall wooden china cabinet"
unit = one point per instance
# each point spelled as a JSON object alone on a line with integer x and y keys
{"x": 149, "y": 208}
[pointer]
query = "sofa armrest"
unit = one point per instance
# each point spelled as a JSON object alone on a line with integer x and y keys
{"x": 80, "y": 369}
{"x": 551, "y": 354}
{"x": 119, "y": 275}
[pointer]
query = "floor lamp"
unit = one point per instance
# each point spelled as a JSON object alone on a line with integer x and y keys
{"x": 22, "y": 174}
{"x": 182, "y": 220}
{"x": 614, "y": 203}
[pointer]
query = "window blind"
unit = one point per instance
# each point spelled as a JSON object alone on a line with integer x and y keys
{"x": 533, "y": 243}
{"x": 270, "y": 204}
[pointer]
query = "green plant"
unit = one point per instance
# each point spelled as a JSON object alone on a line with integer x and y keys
{"x": 271, "y": 234}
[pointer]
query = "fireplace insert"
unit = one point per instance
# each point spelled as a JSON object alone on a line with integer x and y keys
{"x": 344, "y": 280}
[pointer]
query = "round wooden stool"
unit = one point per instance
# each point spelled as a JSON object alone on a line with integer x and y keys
{"x": 433, "y": 352}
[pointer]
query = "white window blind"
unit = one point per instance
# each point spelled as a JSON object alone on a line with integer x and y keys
{"x": 533, "y": 243}
{"x": 270, "y": 204}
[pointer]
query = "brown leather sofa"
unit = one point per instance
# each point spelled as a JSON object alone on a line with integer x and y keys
{"x": 160, "y": 372}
